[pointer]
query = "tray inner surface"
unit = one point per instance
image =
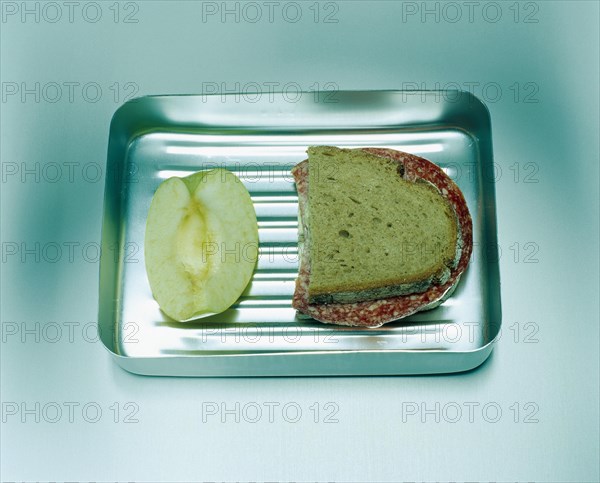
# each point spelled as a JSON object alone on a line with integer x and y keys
{"x": 262, "y": 321}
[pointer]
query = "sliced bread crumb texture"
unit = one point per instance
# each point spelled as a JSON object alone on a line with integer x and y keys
{"x": 373, "y": 233}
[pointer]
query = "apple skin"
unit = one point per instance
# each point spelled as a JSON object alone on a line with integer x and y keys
{"x": 201, "y": 243}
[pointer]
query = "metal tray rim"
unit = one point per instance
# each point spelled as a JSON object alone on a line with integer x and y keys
{"x": 121, "y": 119}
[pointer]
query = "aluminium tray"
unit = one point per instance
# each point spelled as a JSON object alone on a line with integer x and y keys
{"x": 260, "y": 137}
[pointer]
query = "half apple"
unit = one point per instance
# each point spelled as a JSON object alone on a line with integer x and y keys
{"x": 201, "y": 243}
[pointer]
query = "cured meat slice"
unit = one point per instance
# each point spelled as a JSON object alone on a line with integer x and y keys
{"x": 375, "y": 313}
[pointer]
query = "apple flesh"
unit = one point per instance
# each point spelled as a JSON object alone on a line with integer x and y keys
{"x": 201, "y": 243}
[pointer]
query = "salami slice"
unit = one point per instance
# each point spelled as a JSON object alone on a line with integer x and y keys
{"x": 375, "y": 313}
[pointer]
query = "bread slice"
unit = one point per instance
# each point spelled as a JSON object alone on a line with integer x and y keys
{"x": 371, "y": 233}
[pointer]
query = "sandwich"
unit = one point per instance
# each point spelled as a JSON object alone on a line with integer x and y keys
{"x": 382, "y": 234}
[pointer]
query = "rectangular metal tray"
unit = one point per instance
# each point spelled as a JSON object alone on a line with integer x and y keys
{"x": 260, "y": 137}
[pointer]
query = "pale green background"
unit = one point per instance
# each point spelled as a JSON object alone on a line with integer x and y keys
{"x": 171, "y": 50}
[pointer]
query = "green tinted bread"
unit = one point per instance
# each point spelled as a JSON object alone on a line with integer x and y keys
{"x": 373, "y": 234}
